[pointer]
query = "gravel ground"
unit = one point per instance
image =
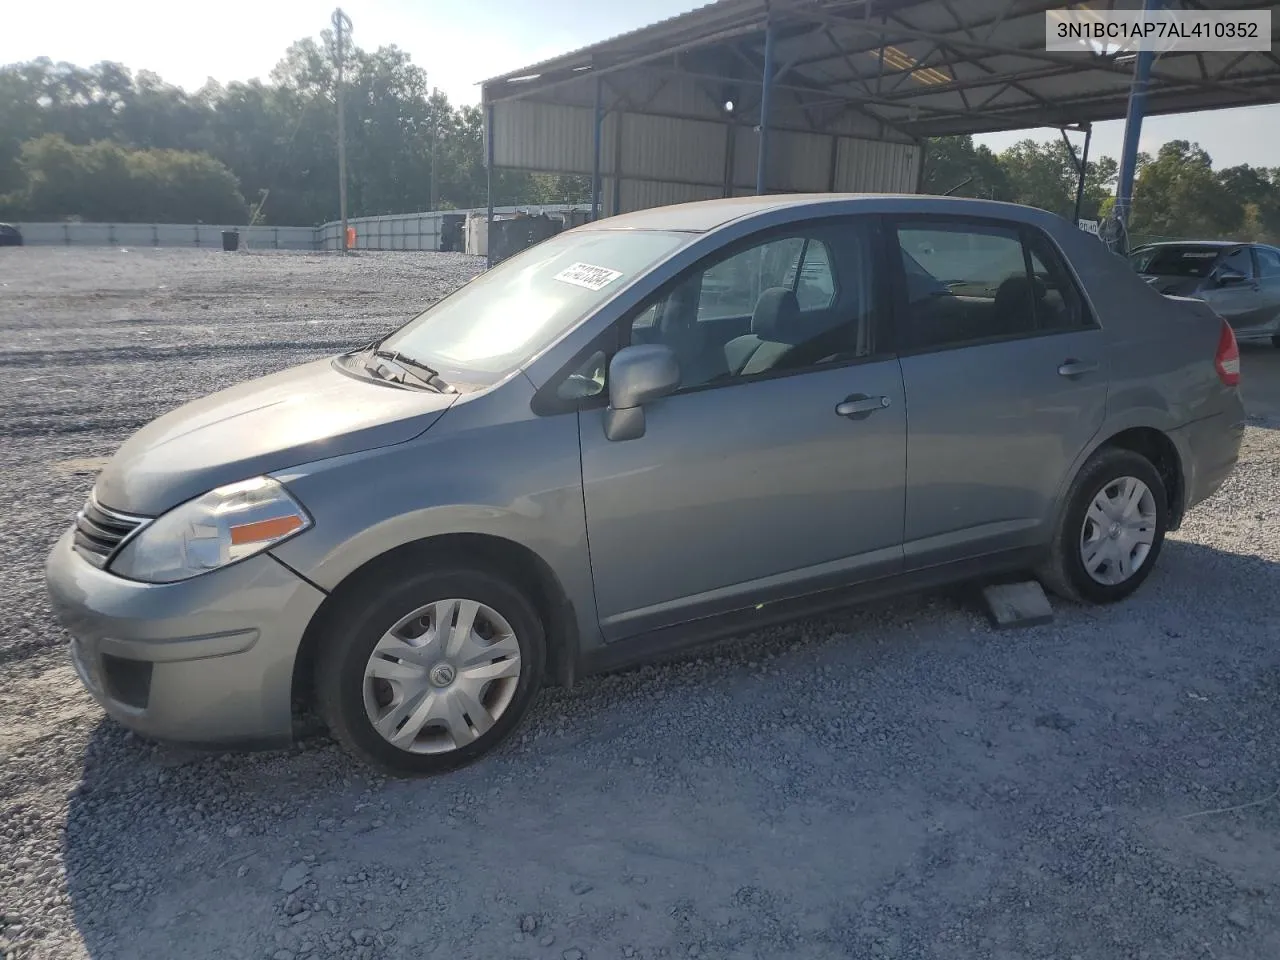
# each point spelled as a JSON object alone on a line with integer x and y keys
{"x": 896, "y": 781}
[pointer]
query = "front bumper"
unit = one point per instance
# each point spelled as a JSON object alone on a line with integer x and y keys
{"x": 206, "y": 660}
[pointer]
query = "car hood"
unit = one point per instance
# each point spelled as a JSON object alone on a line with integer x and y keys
{"x": 1174, "y": 286}
{"x": 298, "y": 415}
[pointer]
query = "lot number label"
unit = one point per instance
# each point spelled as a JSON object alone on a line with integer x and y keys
{"x": 587, "y": 275}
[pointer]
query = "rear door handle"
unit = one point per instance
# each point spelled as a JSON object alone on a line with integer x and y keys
{"x": 1076, "y": 368}
{"x": 860, "y": 406}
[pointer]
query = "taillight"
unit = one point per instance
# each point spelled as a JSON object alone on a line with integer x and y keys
{"x": 1227, "y": 359}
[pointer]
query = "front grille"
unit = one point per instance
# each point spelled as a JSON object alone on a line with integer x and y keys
{"x": 99, "y": 532}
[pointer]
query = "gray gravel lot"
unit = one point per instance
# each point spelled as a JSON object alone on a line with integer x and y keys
{"x": 895, "y": 781}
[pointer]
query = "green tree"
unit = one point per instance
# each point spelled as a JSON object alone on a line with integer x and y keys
{"x": 1257, "y": 190}
{"x": 1041, "y": 175}
{"x": 278, "y": 138}
{"x": 105, "y": 181}
{"x": 1099, "y": 187}
{"x": 950, "y": 161}
{"x": 1177, "y": 195}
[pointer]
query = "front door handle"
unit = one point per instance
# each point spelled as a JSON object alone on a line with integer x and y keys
{"x": 1076, "y": 368}
{"x": 859, "y": 406}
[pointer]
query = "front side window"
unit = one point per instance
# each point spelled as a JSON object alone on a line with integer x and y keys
{"x": 732, "y": 287}
{"x": 1238, "y": 262}
{"x": 507, "y": 315}
{"x": 972, "y": 282}
{"x": 1268, "y": 262}
{"x": 788, "y": 302}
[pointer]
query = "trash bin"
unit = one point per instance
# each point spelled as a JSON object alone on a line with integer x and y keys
{"x": 231, "y": 240}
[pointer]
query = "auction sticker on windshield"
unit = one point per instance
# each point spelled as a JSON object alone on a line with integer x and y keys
{"x": 587, "y": 275}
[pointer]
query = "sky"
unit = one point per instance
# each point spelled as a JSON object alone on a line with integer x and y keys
{"x": 459, "y": 43}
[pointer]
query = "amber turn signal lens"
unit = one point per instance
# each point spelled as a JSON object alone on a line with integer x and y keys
{"x": 261, "y": 530}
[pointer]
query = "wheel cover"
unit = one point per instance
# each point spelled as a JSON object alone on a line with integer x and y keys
{"x": 1119, "y": 530}
{"x": 442, "y": 676}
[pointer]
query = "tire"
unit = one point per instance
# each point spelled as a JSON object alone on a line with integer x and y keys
{"x": 1065, "y": 572}
{"x": 465, "y": 719}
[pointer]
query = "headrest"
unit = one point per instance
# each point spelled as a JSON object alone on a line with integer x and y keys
{"x": 776, "y": 316}
{"x": 1020, "y": 285}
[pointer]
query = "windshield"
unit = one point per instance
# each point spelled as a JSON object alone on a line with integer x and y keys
{"x": 1180, "y": 261}
{"x": 502, "y": 318}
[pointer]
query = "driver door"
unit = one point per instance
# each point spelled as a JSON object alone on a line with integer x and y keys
{"x": 747, "y": 485}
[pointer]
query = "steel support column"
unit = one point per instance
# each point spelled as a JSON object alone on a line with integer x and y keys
{"x": 597, "y": 135}
{"x": 766, "y": 91}
{"x": 488, "y": 165}
{"x": 1133, "y": 128}
{"x": 1084, "y": 172}
{"x": 617, "y": 163}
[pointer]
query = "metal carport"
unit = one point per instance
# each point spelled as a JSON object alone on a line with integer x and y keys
{"x": 830, "y": 95}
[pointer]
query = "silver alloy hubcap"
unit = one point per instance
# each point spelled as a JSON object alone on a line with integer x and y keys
{"x": 442, "y": 676}
{"x": 1119, "y": 529}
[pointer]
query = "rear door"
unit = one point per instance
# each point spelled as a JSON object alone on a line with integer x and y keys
{"x": 1005, "y": 373}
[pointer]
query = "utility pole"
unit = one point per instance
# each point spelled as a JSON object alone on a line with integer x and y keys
{"x": 435, "y": 136}
{"x": 342, "y": 28}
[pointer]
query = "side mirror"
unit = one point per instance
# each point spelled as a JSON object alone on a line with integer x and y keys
{"x": 638, "y": 375}
{"x": 1230, "y": 278}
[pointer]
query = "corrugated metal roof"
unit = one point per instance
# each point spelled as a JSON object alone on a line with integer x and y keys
{"x": 921, "y": 67}
{"x": 697, "y": 22}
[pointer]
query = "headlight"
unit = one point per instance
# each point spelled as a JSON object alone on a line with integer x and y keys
{"x": 211, "y": 531}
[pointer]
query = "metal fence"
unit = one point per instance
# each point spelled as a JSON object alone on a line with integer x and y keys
{"x": 402, "y": 231}
{"x": 415, "y": 231}
{"x": 165, "y": 235}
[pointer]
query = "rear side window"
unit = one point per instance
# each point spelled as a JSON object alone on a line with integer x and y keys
{"x": 970, "y": 282}
{"x": 1060, "y": 307}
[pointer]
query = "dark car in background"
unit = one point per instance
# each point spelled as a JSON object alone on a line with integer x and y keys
{"x": 10, "y": 236}
{"x": 1241, "y": 281}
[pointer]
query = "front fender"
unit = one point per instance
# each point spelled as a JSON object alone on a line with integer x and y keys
{"x": 476, "y": 472}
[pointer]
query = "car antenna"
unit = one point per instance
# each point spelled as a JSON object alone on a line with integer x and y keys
{"x": 958, "y": 186}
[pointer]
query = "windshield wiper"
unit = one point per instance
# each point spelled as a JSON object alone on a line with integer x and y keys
{"x": 423, "y": 372}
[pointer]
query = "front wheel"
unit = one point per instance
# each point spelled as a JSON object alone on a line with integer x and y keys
{"x": 1112, "y": 530}
{"x": 431, "y": 672}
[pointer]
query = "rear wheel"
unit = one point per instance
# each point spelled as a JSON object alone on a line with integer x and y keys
{"x": 429, "y": 673}
{"x": 1111, "y": 531}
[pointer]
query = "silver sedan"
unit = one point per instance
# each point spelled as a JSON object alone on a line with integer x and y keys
{"x": 1241, "y": 281}
{"x": 639, "y": 435}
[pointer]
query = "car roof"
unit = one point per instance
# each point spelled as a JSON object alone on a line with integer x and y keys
{"x": 703, "y": 216}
